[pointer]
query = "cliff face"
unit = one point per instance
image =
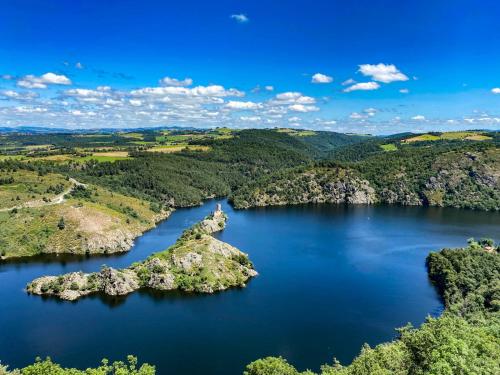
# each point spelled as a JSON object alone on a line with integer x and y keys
{"x": 313, "y": 186}
{"x": 470, "y": 179}
{"x": 454, "y": 179}
{"x": 196, "y": 262}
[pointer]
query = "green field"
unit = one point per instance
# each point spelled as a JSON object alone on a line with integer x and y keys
{"x": 21, "y": 186}
{"x": 389, "y": 147}
{"x": 463, "y": 136}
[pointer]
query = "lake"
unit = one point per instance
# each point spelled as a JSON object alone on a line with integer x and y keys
{"x": 330, "y": 279}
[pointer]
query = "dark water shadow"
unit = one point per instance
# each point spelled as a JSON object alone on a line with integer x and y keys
{"x": 155, "y": 295}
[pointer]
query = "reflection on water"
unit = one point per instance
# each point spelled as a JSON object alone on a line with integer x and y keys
{"x": 330, "y": 279}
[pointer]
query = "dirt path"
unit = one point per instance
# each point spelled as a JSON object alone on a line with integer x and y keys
{"x": 58, "y": 199}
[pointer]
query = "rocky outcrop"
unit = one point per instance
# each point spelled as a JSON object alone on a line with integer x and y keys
{"x": 197, "y": 262}
{"x": 314, "y": 186}
{"x": 462, "y": 179}
{"x": 77, "y": 284}
{"x": 469, "y": 179}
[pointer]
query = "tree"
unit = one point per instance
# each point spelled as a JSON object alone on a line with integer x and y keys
{"x": 61, "y": 225}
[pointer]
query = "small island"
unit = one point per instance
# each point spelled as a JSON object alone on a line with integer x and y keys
{"x": 197, "y": 262}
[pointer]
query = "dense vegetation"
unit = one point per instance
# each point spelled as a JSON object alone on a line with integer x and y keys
{"x": 465, "y": 340}
{"x": 47, "y": 367}
{"x": 456, "y": 174}
{"x": 442, "y": 169}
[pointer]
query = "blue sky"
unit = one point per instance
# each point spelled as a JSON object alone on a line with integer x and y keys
{"x": 353, "y": 66}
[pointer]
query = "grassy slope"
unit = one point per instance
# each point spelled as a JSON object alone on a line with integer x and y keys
{"x": 28, "y": 186}
{"x": 31, "y": 231}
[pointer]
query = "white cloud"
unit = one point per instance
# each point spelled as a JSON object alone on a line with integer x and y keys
{"x": 84, "y": 93}
{"x": 240, "y": 18}
{"x": 238, "y": 105}
{"x": 31, "y": 109}
{"x": 306, "y": 100}
{"x": 363, "y": 86}
{"x": 17, "y": 95}
{"x": 321, "y": 78}
{"x": 250, "y": 118}
{"x": 404, "y": 91}
{"x": 135, "y": 102}
{"x": 356, "y": 116}
{"x": 370, "y": 111}
{"x": 167, "y": 81}
{"x": 269, "y": 88}
{"x": 33, "y": 82}
{"x": 212, "y": 90}
{"x": 79, "y": 65}
{"x": 418, "y": 118}
{"x": 303, "y": 108}
{"x": 348, "y": 82}
{"x": 286, "y": 96}
{"x": 496, "y": 90}
{"x": 382, "y": 73}
{"x": 294, "y": 119}
{"x": 293, "y": 97}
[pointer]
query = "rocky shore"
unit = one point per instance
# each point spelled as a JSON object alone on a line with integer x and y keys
{"x": 197, "y": 262}
{"x": 314, "y": 186}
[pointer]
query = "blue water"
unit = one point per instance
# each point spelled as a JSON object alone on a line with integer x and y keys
{"x": 331, "y": 278}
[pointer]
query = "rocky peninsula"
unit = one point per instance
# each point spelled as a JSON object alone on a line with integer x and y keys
{"x": 197, "y": 262}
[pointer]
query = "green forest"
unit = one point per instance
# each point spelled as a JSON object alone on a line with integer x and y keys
{"x": 243, "y": 164}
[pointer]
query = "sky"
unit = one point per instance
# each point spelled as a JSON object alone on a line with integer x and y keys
{"x": 379, "y": 66}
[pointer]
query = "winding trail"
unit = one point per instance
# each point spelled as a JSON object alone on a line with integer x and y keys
{"x": 58, "y": 199}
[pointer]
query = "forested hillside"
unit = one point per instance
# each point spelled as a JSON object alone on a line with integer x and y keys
{"x": 462, "y": 175}
{"x": 282, "y": 166}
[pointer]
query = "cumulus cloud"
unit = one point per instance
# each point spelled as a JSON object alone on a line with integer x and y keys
{"x": 363, "y": 86}
{"x": 240, "y": 18}
{"x": 418, "y": 118}
{"x": 303, "y": 108}
{"x": 321, "y": 78}
{"x": 404, "y": 91}
{"x": 135, "y": 102}
{"x": 496, "y": 90}
{"x": 167, "y": 81}
{"x": 382, "y": 73}
{"x": 79, "y": 65}
{"x": 238, "y": 105}
{"x": 33, "y": 82}
{"x": 212, "y": 90}
{"x": 293, "y": 97}
{"x": 203, "y": 106}
{"x": 17, "y": 95}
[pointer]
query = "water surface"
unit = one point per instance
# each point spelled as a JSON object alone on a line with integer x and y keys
{"x": 331, "y": 278}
